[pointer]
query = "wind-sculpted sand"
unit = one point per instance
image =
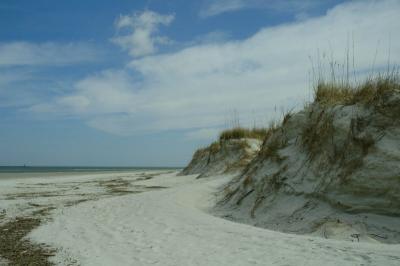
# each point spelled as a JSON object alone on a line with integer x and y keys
{"x": 103, "y": 220}
{"x": 29, "y": 202}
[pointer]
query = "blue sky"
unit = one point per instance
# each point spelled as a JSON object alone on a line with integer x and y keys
{"x": 144, "y": 83}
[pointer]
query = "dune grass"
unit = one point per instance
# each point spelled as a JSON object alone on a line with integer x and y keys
{"x": 371, "y": 91}
{"x": 241, "y": 132}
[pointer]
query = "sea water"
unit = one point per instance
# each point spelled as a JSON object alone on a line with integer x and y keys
{"x": 7, "y": 172}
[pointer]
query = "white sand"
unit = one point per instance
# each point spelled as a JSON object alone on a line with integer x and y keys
{"x": 173, "y": 227}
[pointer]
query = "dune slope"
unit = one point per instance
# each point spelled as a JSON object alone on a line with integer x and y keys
{"x": 332, "y": 169}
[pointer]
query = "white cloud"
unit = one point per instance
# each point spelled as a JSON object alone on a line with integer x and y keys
{"x": 48, "y": 53}
{"x": 108, "y": 92}
{"x": 141, "y": 37}
{"x": 197, "y": 86}
{"x": 217, "y": 7}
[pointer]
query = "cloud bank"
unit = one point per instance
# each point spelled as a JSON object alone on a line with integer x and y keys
{"x": 194, "y": 88}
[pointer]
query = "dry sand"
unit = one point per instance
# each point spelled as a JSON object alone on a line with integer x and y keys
{"x": 158, "y": 218}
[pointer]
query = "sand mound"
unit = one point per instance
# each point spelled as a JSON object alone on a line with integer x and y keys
{"x": 331, "y": 170}
{"x": 225, "y": 156}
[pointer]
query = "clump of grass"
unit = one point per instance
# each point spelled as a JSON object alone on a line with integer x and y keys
{"x": 271, "y": 149}
{"x": 319, "y": 130}
{"x": 371, "y": 91}
{"x": 240, "y": 133}
{"x": 214, "y": 147}
{"x": 286, "y": 117}
{"x": 327, "y": 93}
{"x": 274, "y": 139}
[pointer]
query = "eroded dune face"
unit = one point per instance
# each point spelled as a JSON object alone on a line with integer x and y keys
{"x": 225, "y": 156}
{"x": 332, "y": 170}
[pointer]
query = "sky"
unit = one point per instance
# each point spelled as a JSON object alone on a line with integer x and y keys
{"x": 145, "y": 83}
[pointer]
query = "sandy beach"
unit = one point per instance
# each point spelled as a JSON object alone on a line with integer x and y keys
{"x": 151, "y": 218}
{"x": 29, "y": 200}
{"x": 200, "y": 133}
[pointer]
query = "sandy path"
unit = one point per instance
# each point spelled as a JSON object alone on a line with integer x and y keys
{"x": 169, "y": 227}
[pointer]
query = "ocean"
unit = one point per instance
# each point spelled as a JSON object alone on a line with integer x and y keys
{"x": 43, "y": 171}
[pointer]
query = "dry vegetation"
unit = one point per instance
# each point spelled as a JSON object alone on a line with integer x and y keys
{"x": 240, "y": 133}
{"x": 372, "y": 91}
{"x": 375, "y": 92}
{"x": 18, "y": 250}
{"x": 215, "y": 147}
{"x": 317, "y": 131}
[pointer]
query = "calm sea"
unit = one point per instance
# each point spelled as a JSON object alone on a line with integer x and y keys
{"x": 43, "y": 171}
